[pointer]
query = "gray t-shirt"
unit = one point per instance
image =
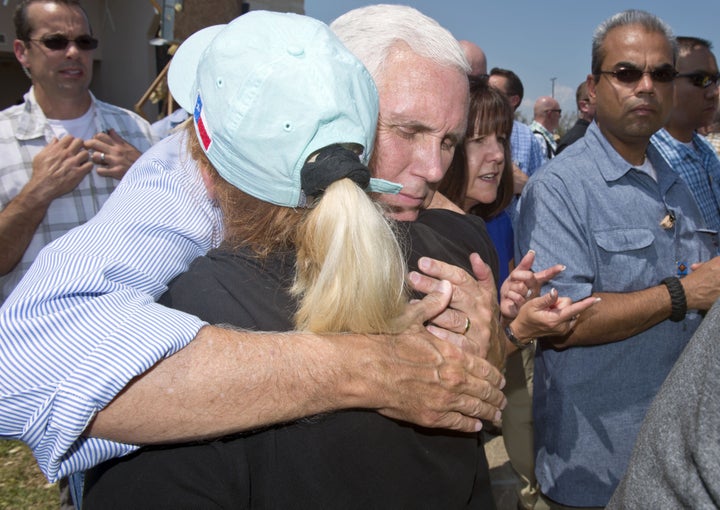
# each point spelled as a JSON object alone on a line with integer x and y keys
{"x": 676, "y": 460}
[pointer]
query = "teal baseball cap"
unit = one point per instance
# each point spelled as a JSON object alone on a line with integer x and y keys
{"x": 267, "y": 91}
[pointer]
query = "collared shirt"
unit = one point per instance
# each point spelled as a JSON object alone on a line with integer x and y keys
{"x": 546, "y": 139}
{"x": 714, "y": 139}
{"x": 88, "y": 304}
{"x": 700, "y": 168}
{"x": 593, "y": 212}
{"x": 526, "y": 150}
{"x": 24, "y": 132}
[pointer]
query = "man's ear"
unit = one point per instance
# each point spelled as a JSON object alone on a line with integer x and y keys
{"x": 514, "y": 101}
{"x": 208, "y": 181}
{"x": 591, "y": 88}
{"x": 20, "y": 51}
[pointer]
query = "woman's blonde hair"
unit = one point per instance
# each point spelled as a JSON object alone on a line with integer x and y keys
{"x": 350, "y": 266}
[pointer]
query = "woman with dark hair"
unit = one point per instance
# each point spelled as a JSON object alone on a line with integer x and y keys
{"x": 480, "y": 178}
{"x": 480, "y": 182}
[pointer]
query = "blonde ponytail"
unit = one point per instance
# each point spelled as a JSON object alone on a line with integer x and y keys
{"x": 350, "y": 268}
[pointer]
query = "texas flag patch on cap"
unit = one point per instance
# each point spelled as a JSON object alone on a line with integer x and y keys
{"x": 201, "y": 126}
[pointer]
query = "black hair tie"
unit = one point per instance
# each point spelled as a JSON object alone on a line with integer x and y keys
{"x": 333, "y": 163}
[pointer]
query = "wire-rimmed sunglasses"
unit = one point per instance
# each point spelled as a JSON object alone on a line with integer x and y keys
{"x": 60, "y": 42}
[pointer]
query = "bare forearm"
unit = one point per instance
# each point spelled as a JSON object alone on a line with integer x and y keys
{"x": 229, "y": 381}
{"x": 18, "y": 222}
{"x": 617, "y": 316}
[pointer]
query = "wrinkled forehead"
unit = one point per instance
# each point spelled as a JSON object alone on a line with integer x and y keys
{"x": 636, "y": 44}
{"x": 419, "y": 86}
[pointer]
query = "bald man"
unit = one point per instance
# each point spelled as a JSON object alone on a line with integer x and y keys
{"x": 546, "y": 120}
{"x": 476, "y": 58}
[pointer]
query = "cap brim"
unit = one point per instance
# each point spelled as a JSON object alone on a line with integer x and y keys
{"x": 184, "y": 64}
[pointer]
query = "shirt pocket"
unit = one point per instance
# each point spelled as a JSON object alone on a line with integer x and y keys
{"x": 711, "y": 240}
{"x": 627, "y": 259}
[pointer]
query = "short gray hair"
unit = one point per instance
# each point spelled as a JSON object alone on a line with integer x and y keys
{"x": 371, "y": 32}
{"x": 649, "y": 21}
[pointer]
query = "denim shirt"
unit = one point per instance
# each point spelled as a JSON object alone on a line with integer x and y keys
{"x": 591, "y": 211}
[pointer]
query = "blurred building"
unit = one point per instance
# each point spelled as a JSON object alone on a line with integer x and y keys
{"x": 134, "y": 39}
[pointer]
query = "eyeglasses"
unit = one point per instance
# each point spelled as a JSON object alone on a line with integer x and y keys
{"x": 664, "y": 74}
{"x": 60, "y": 42}
{"x": 555, "y": 110}
{"x": 702, "y": 79}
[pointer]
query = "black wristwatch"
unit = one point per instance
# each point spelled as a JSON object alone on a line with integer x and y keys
{"x": 515, "y": 341}
{"x": 677, "y": 298}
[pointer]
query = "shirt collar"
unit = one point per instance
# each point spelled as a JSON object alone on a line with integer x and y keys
{"x": 616, "y": 166}
{"x": 33, "y": 124}
{"x": 682, "y": 148}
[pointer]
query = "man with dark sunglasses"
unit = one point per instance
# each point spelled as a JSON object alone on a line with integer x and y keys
{"x": 696, "y": 100}
{"x": 62, "y": 152}
{"x": 629, "y": 231}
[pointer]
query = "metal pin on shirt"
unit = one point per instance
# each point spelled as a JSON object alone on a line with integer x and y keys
{"x": 668, "y": 221}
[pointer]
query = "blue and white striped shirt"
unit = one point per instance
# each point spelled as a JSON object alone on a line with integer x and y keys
{"x": 84, "y": 322}
{"x": 699, "y": 167}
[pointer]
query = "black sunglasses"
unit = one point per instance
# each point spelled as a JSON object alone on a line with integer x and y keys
{"x": 60, "y": 42}
{"x": 701, "y": 79}
{"x": 634, "y": 75}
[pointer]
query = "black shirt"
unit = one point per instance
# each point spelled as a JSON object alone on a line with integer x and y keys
{"x": 348, "y": 459}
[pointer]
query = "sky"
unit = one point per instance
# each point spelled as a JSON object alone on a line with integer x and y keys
{"x": 542, "y": 39}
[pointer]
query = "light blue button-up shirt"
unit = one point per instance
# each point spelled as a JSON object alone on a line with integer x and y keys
{"x": 592, "y": 211}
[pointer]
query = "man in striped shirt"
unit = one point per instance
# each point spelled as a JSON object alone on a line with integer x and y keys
{"x": 96, "y": 367}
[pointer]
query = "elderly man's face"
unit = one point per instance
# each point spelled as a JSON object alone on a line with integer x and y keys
{"x": 423, "y": 113}
{"x": 629, "y": 113}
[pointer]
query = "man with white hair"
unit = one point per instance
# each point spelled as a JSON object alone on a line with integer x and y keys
{"x": 142, "y": 373}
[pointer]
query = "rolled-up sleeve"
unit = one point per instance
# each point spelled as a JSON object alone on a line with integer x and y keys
{"x": 84, "y": 322}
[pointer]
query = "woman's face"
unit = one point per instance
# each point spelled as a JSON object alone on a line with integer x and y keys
{"x": 485, "y": 161}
